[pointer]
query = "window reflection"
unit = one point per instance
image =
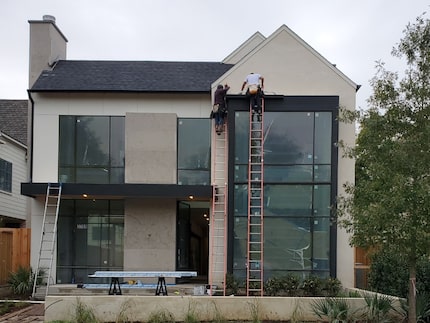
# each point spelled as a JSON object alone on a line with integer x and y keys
{"x": 323, "y": 140}
{"x": 92, "y": 141}
{"x": 321, "y": 245}
{"x": 288, "y": 138}
{"x": 91, "y": 149}
{"x": 288, "y": 200}
{"x": 92, "y": 238}
{"x": 288, "y": 174}
{"x": 241, "y": 137}
{"x": 287, "y": 245}
{"x": 297, "y": 191}
{"x": 194, "y": 151}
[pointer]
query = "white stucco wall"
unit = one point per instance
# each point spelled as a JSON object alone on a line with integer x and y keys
{"x": 150, "y": 226}
{"x": 49, "y": 108}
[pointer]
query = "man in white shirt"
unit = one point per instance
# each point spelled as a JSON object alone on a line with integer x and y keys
{"x": 255, "y": 83}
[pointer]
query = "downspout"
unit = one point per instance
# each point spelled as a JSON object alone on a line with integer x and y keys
{"x": 31, "y": 132}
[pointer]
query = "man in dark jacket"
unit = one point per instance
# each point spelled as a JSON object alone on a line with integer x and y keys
{"x": 220, "y": 107}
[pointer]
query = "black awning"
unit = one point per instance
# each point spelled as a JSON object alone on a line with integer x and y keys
{"x": 120, "y": 191}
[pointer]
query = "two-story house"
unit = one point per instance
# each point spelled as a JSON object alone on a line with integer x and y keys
{"x": 14, "y": 217}
{"x": 148, "y": 185}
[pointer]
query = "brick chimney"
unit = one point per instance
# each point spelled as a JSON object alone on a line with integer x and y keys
{"x": 47, "y": 46}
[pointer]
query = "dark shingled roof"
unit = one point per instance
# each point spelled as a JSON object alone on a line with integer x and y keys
{"x": 130, "y": 76}
{"x": 13, "y": 119}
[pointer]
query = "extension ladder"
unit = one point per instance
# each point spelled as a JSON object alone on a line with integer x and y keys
{"x": 218, "y": 219}
{"x": 254, "y": 265}
{"x": 42, "y": 273}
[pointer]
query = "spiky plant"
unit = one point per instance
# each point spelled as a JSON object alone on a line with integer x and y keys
{"x": 378, "y": 308}
{"x": 21, "y": 281}
{"x": 331, "y": 309}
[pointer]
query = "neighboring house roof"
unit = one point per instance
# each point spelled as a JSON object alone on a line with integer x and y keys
{"x": 13, "y": 119}
{"x": 130, "y": 76}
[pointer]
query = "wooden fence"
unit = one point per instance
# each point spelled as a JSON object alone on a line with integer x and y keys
{"x": 14, "y": 251}
{"x": 361, "y": 268}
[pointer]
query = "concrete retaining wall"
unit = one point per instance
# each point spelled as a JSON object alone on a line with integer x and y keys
{"x": 205, "y": 308}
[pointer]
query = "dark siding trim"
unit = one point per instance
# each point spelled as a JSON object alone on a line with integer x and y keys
{"x": 119, "y": 191}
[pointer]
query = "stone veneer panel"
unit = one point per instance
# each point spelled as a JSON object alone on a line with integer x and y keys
{"x": 150, "y": 148}
{"x": 149, "y": 235}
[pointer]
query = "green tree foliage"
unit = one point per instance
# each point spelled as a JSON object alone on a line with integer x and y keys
{"x": 389, "y": 274}
{"x": 389, "y": 205}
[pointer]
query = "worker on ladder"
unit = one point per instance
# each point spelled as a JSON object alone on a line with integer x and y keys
{"x": 219, "y": 109}
{"x": 255, "y": 86}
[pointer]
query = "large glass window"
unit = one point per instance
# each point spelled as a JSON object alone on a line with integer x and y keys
{"x": 91, "y": 149}
{"x": 5, "y": 175}
{"x": 288, "y": 138}
{"x": 194, "y": 147}
{"x": 297, "y": 192}
{"x": 92, "y": 238}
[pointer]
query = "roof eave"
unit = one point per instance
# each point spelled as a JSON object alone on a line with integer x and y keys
{"x": 116, "y": 91}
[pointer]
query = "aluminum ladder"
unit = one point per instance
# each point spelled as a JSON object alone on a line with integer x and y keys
{"x": 42, "y": 273}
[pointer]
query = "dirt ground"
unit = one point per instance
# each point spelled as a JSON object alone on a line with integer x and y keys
{"x": 34, "y": 313}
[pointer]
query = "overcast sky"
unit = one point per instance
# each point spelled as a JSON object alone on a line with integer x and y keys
{"x": 351, "y": 34}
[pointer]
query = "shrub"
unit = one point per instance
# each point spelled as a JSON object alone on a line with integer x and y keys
{"x": 291, "y": 285}
{"x": 21, "y": 281}
{"x": 389, "y": 274}
{"x": 312, "y": 286}
{"x": 232, "y": 285}
{"x": 274, "y": 286}
{"x": 331, "y": 286}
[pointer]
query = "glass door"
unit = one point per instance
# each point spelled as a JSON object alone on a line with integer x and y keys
{"x": 183, "y": 236}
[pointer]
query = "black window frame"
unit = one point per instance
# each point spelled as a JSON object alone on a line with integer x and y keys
{"x": 112, "y": 171}
{"x": 5, "y": 176}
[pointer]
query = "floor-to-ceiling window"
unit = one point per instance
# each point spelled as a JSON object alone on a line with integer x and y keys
{"x": 90, "y": 232}
{"x": 91, "y": 149}
{"x": 90, "y": 238}
{"x": 194, "y": 146}
{"x": 297, "y": 192}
